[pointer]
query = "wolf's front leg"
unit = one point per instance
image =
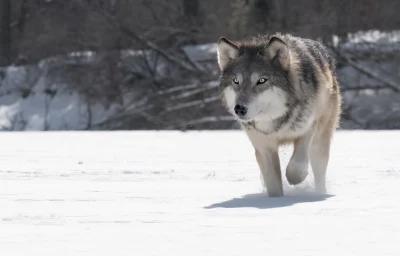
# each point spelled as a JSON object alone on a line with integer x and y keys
{"x": 268, "y": 160}
{"x": 319, "y": 155}
{"x": 297, "y": 169}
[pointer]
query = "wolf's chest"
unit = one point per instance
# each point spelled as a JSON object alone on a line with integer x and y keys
{"x": 297, "y": 124}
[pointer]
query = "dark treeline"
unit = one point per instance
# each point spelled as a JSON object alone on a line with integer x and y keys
{"x": 31, "y": 30}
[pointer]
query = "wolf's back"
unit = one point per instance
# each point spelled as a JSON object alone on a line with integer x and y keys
{"x": 311, "y": 60}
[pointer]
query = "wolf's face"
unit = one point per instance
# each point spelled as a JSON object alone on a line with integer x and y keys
{"x": 254, "y": 79}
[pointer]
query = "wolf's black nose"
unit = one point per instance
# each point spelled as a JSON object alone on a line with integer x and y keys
{"x": 240, "y": 110}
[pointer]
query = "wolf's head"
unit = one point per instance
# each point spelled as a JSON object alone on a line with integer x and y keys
{"x": 254, "y": 80}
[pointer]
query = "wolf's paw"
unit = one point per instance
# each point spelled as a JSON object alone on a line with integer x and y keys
{"x": 320, "y": 187}
{"x": 275, "y": 193}
{"x": 296, "y": 172}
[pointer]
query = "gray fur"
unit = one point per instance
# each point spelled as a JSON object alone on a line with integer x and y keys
{"x": 313, "y": 58}
{"x": 283, "y": 89}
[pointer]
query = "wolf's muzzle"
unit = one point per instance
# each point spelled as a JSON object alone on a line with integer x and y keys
{"x": 240, "y": 110}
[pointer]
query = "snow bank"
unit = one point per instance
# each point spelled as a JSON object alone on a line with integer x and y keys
{"x": 29, "y": 105}
{"x": 34, "y": 98}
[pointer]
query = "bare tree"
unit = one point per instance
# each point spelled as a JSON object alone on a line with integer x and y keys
{"x": 5, "y": 32}
{"x": 191, "y": 8}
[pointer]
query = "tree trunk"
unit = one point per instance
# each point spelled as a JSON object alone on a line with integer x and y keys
{"x": 5, "y": 32}
{"x": 191, "y": 8}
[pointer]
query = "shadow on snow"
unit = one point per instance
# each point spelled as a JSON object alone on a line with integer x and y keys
{"x": 262, "y": 201}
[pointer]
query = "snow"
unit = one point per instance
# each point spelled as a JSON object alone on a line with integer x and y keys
{"x": 37, "y": 110}
{"x": 194, "y": 193}
{"x": 374, "y": 36}
{"x": 202, "y": 52}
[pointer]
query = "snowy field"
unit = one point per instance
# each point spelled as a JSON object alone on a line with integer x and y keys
{"x": 195, "y": 193}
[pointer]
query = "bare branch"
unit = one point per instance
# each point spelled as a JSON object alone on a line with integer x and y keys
{"x": 359, "y": 88}
{"x": 147, "y": 44}
{"x": 192, "y": 104}
{"x": 178, "y": 88}
{"x": 388, "y": 83}
{"x": 196, "y": 91}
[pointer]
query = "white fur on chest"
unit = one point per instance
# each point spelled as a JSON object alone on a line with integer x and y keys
{"x": 287, "y": 130}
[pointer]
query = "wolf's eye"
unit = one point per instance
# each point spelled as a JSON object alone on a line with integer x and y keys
{"x": 261, "y": 81}
{"x": 235, "y": 80}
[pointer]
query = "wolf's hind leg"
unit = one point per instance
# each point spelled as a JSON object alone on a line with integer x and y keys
{"x": 297, "y": 169}
{"x": 319, "y": 155}
{"x": 268, "y": 160}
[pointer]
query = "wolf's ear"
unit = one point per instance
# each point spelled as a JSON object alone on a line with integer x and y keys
{"x": 227, "y": 51}
{"x": 278, "y": 51}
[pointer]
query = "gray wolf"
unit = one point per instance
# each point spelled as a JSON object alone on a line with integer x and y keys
{"x": 282, "y": 89}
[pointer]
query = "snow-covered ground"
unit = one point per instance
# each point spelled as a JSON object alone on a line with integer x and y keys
{"x": 195, "y": 193}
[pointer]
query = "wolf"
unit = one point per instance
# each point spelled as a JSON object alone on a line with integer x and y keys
{"x": 282, "y": 89}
